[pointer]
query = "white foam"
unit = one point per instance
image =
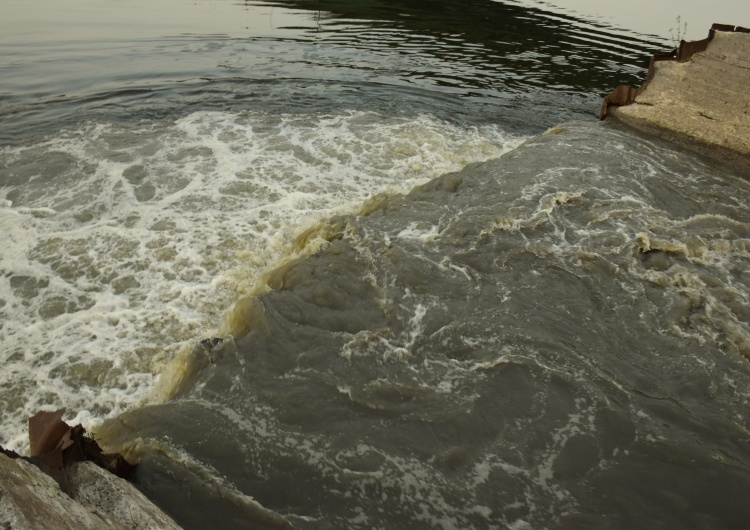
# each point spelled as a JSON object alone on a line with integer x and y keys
{"x": 419, "y": 233}
{"x": 123, "y": 245}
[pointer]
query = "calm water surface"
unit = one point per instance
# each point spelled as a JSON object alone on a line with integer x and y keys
{"x": 419, "y": 310}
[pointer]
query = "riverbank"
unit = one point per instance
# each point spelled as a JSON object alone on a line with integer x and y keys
{"x": 696, "y": 96}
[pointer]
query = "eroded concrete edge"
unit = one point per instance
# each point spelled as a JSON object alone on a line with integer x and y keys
{"x": 624, "y": 96}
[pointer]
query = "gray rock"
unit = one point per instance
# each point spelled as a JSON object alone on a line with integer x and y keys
{"x": 115, "y": 499}
{"x": 30, "y": 499}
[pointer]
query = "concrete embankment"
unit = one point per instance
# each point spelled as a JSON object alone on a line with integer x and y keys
{"x": 697, "y": 96}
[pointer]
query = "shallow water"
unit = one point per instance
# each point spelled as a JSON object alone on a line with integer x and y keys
{"x": 554, "y": 336}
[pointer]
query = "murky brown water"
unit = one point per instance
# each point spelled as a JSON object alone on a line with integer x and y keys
{"x": 442, "y": 318}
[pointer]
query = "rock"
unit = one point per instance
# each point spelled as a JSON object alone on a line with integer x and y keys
{"x": 621, "y": 96}
{"x": 115, "y": 499}
{"x": 30, "y": 499}
{"x": 55, "y": 445}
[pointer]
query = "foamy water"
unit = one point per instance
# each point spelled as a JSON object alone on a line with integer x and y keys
{"x": 124, "y": 245}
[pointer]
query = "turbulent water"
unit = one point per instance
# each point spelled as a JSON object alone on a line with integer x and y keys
{"x": 316, "y": 266}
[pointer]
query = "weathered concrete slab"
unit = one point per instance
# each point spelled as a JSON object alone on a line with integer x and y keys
{"x": 700, "y": 98}
{"x": 114, "y": 499}
{"x": 31, "y": 500}
{"x": 97, "y": 500}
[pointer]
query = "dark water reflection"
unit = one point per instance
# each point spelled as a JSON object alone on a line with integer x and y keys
{"x": 477, "y": 61}
{"x": 508, "y": 46}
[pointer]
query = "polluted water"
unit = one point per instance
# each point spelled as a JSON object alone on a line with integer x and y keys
{"x": 370, "y": 265}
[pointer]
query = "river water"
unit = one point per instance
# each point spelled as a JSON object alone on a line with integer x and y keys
{"x": 371, "y": 264}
